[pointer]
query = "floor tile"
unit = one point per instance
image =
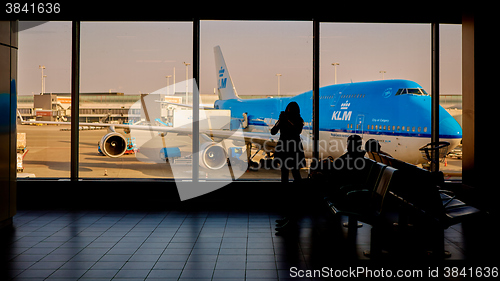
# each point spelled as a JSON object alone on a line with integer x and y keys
{"x": 228, "y": 274}
{"x": 100, "y": 273}
{"x": 36, "y": 273}
{"x": 133, "y": 265}
{"x": 183, "y": 245}
{"x": 132, "y": 273}
{"x": 165, "y": 274}
{"x": 261, "y": 273}
{"x": 239, "y": 265}
{"x": 197, "y": 273}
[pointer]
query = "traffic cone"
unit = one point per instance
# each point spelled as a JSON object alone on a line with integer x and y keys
{"x": 445, "y": 162}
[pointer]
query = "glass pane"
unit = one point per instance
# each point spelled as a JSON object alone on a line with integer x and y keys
{"x": 128, "y": 69}
{"x": 380, "y": 70}
{"x": 44, "y": 75}
{"x": 266, "y": 65}
{"x": 450, "y": 97}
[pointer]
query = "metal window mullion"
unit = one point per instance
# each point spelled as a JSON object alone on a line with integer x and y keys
{"x": 75, "y": 98}
{"x": 315, "y": 93}
{"x": 196, "y": 100}
{"x": 435, "y": 93}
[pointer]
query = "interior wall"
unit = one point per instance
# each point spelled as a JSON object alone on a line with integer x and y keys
{"x": 480, "y": 104}
{"x": 8, "y": 105}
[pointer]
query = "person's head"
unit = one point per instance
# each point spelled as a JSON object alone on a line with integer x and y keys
{"x": 372, "y": 145}
{"x": 293, "y": 109}
{"x": 354, "y": 144}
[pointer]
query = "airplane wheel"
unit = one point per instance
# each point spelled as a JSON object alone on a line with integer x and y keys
{"x": 244, "y": 166}
{"x": 253, "y": 166}
{"x": 263, "y": 164}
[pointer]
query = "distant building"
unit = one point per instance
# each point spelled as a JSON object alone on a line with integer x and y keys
{"x": 94, "y": 107}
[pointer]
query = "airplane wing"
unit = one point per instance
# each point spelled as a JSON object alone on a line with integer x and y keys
{"x": 184, "y": 105}
{"x": 124, "y": 126}
{"x": 264, "y": 139}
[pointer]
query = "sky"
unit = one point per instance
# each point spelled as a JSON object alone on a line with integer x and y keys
{"x": 136, "y": 57}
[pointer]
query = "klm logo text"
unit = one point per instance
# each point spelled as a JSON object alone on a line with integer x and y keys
{"x": 222, "y": 83}
{"x": 342, "y": 115}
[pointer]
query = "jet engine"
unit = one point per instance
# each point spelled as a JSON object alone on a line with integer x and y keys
{"x": 213, "y": 156}
{"x": 113, "y": 144}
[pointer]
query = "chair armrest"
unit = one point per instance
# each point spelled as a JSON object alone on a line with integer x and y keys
{"x": 359, "y": 198}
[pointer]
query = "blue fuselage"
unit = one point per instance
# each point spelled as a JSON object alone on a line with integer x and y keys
{"x": 388, "y": 110}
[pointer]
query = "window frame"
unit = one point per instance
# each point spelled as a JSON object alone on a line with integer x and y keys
{"x": 75, "y": 83}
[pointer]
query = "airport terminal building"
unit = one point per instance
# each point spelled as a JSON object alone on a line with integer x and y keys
{"x": 94, "y": 107}
{"x": 112, "y": 107}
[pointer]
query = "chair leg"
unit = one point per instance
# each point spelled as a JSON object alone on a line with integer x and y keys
{"x": 375, "y": 251}
{"x": 352, "y": 224}
{"x": 438, "y": 251}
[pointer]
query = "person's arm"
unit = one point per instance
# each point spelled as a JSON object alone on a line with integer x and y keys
{"x": 277, "y": 126}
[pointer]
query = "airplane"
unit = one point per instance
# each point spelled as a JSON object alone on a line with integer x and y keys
{"x": 394, "y": 112}
{"x": 397, "y": 113}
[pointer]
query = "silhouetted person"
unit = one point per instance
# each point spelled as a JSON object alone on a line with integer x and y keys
{"x": 290, "y": 152}
{"x": 289, "y": 149}
{"x": 373, "y": 145}
{"x": 346, "y": 168}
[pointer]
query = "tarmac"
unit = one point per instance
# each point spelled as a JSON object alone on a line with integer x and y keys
{"x": 49, "y": 156}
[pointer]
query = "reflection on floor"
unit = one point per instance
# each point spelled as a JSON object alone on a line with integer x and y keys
{"x": 194, "y": 245}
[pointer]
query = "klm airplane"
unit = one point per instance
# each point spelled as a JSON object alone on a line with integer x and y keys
{"x": 397, "y": 113}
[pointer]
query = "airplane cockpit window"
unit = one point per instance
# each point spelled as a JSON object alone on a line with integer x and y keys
{"x": 416, "y": 91}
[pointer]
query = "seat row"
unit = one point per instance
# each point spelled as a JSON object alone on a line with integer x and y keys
{"x": 390, "y": 187}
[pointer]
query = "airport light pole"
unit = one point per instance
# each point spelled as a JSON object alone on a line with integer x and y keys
{"x": 335, "y": 65}
{"x": 44, "y": 83}
{"x": 279, "y": 75}
{"x": 42, "y": 67}
{"x": 382, "y": 71}
{"x": 168, "y": 83}
{"x": 187, "y": 86}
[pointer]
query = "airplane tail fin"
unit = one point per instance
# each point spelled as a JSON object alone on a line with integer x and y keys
{"x": 225, "y": 87}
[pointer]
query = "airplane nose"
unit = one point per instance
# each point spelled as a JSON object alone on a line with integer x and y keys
{"x": 448, "y": 126}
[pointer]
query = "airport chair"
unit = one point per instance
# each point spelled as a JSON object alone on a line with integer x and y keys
{"x": 449, "y": 200}
{"x": 333, "y": 182}
{"x": 371, "y": 155}
{"x": 422, "y": 177}
{"x": 433, "y": 210}
{"x": 377, "y": 157}
{"x": 386, "y": 159}
{"x": 422, "y": 195}
{"x": 368, "y": 207}
{"x": 371, "y": 174}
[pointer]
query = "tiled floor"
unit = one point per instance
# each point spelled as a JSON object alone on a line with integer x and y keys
{"x": 176, "y": 245}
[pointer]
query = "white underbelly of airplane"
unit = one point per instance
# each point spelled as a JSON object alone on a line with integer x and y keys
{"x": 402, "y": 148}
{"x": 335, "y": 144}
